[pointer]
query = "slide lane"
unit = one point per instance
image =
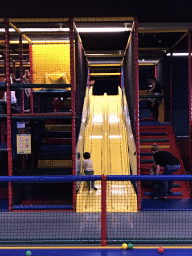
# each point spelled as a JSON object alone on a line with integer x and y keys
{"x": 106, "y": 139}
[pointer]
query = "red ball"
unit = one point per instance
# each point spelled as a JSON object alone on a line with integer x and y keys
{"x": 160, "y": 250}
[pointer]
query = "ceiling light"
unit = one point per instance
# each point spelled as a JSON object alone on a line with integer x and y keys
{"x": 148, "y": 61}
{"x": 37, "y": 30}
{"x": 178, "y": 54}
{"x": 81, "y": 30}
{"x": 102, "y": 30}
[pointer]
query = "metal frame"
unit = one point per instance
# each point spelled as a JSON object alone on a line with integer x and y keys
{"x": 190, "y": 96}
{"x": 8, "y": 91}
{"x": 72, "y": 72}
{"x": 137, "y": 125}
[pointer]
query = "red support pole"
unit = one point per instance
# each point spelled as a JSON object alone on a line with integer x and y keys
{"x": 72, "y": 72}
{"x": 14, "y": 69}
{"x": 103, "y": 210}
{"x": 137, "y": 125}
{"x": 21, "y": 70}
{"x": 9, "y": 149}
{"x": 165, "y": 93}
{"x": 89, "y": 77}
{"x": 156, "y": 71}
{"x": 171, "y": 89}
{"x": 31, "y": 76}
{"x": 190, "y": 98}
{"x": 22, "y": 93}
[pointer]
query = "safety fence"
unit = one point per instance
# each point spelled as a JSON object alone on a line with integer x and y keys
{"x": 108, "y": 215}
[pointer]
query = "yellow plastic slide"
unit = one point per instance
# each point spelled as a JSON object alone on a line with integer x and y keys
{"x": 106, "y": 138}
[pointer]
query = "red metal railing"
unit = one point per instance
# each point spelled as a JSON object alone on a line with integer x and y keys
{"x": 156, "y": 71}
{"x": 190, "y": 98}
{"x": 137, "y": 128}
{"x": 103, "y": 210}
{"x": 171, "y": 89}
{"x": 72, "y": 73}
{"x": 31, "y": 76}
{"x": 8, "y": 91}
{"x": 22, "y": 93}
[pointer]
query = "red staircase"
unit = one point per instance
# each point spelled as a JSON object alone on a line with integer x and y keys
{"x": 164, "y": 136}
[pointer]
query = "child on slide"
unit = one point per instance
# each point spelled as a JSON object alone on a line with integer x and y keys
{"x": 88, "y": 168}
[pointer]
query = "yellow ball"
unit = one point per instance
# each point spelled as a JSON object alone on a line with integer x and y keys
{"x": 124, "y": 246}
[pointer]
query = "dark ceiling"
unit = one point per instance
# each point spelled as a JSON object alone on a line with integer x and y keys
{"x": 145, "y": 10}
{"x": 153, "y": 16}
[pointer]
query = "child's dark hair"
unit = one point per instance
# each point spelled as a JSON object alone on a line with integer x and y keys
{"x": 86, "y": 155}
{"x": 153, "y": 168}
{"x": 155, "y": 148}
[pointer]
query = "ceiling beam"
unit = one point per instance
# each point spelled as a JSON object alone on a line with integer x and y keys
{"x": 18, "y": 31}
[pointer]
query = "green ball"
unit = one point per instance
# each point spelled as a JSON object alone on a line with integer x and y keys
{"x": 130, "y": 246}
{"x": 28, "y": 253}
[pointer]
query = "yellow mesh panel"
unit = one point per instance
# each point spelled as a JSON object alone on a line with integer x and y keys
{"x": 51, "y": 63}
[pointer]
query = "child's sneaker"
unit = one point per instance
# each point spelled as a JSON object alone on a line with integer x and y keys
{"x": 95, "y": 188}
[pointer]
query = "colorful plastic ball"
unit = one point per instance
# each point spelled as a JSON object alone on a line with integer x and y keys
{"x": 28, "y": 253}
{"x": 130, "y": 246}
{"x": 124, "y": 246}
{"x": 160, "y": 250}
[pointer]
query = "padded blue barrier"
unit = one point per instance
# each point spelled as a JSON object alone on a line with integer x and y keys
{"x": 71, "y": 178}
{"x": 51, "y": 178}
{"x": 168, "y": 205}
{"x": 172, "y": 194}
{"x": 42, "y": 207}
{"x": 149, "y": 177}
{"x": 153, "y": 123}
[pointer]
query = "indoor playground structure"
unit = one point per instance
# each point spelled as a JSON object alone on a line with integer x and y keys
{"x": 73, "y": 86}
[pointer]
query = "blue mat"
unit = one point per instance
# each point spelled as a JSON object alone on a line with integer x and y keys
{"x": 168, "y": 205}
{"x": 172, "y": 194}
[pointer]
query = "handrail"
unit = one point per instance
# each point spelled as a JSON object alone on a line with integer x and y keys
{"x": 71, "y": 178}
{"x": 18, "y": 85}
